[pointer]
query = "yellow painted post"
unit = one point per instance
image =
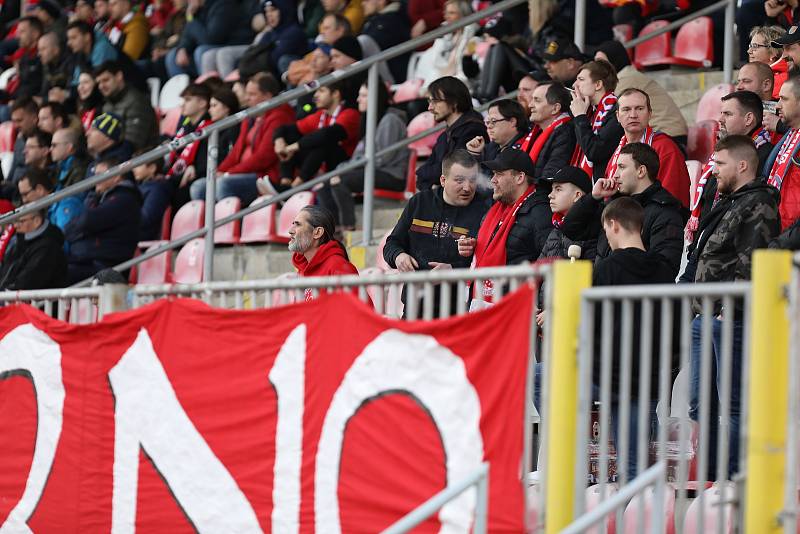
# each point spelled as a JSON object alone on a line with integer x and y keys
{"x": 769, "y": 390}
{"x": 569, "y": 279}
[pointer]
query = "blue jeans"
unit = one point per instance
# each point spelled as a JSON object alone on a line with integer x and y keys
{"x": 716, "y": 385}
{"x": 233, "y": 185}
{"x": 633, "y": 420}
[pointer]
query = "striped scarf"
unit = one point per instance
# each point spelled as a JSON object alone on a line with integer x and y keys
{"x": 607, "y": 104}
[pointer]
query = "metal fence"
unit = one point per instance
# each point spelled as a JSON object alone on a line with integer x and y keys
{"x": 72, "y": 305}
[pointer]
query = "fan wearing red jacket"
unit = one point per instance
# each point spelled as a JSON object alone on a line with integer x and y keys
{"x": 252, "y": 155}
{"x": 316, "y": 251}
{"x": 327, "y": 137}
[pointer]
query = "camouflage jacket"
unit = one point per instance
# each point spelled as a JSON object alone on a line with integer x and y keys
{"x": 740, "y": 223}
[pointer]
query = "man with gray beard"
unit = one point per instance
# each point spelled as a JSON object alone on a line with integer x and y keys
{"x": 316, "y": 251}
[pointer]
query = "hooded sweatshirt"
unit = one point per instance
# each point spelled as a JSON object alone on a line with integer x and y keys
{"x": 330, "y": 260}
{"x": 287, "y": 38}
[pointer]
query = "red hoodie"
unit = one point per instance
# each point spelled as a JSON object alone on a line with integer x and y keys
{"x": 257, "y": 156}
{"x": 330, "y": 260}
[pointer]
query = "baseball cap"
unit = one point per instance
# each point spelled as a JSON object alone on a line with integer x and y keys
{"x": 558, "y": 49}
{"x": 575, "y": 176}
{"x": 791, "y": 36}
{"x": 511, "y": 158}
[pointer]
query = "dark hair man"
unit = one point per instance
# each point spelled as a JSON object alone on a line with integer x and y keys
{"x": 507, "y": 125}
{"x": 551, "y": 141}
{"x": 450, "y": 102}
{"x": 781, "y": 168}
{"x": 129, "y": 104}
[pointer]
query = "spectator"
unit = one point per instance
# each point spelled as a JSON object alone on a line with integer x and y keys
{"x": 89, "y": 49}
{"x": 781, "y": 168}
{"x": 516, "y": 226}
{"x": 506, "y": 58}
{"x": 594, "y": 93}
{"x": 425, "y": 15}
{"x": 213, "y": 24}
{"x": 506, "y": 124}
{"x": 387, "y": 23}
{"x": 527, "y": 84}
{"x": 390, "y": 169}
{"x": 253, "y": 155}
{"x": 745, "y": 219}
{"x": 344, "y": 52}
{"x": 741, "y": 114}
{"x": 449, "y": 102}
{"x": 562, "y": 61}
{"x": 56, "y": 72}
{"x": 763, "y": 50}
{"x": 662, "y": 232}
{"x": 350, "y": 9}
{"x": 183, "y": 167}
{"x": 551, "y": 142}
{"x": 223, "y": 104}
{"x": 126, "y": 29}
{"x": 37, "y": 151}
{"x": 426, "y": 236}
{"x": 36, "y": 184}
{"x": 317, "y": 62}
{"x": 327, "y": 137}
{"x": 315, "y": 251}
{"x": 128, "y": 103}
{"x": 758, "y": 78}
{"x": 790, "y": 41}
{"x": 666, "y": 116}
{"x": 102, "y": 12}
{"x": 69, "y": 155}
{"x": 52, "y": 18}
{"x": 569, "y": 185}
{"x": 52, "y": 117}
{"x": 782, "y": 12}
{"x": 107, "y": 231}
{"x": 34, "y": 258}
{"x": 90, "y": 101}
{"x": 283, "y": 42}
{"x": 634, "y": 112}
{"x": 29, "y": 68}
{"x": 24, "y": 116}
{"x": 156, "y": 191}
{"x": 104, "y": 141}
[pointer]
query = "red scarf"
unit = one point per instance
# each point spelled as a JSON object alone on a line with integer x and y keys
{"x": 579, "y": 159}
{"x": 87, "y": 117}
{"x": 490, "y": 249}
{"x": 326, "y": 120}
{"x": 647, "y": 138}
{"x": 539, "y": 137}
{"x": 5, "y": 239}
{"x": 784, "y": 159}
{"x": 694, "y": 220}
{"x": 188, "y": 154}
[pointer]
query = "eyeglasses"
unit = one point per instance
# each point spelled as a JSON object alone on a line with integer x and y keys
{"x": 756, "y": 46}
{"x": 24, "y": 194}
{"x": 491, "y": 122}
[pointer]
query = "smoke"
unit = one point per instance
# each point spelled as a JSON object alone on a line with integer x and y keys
{"x": 484, "y": 180}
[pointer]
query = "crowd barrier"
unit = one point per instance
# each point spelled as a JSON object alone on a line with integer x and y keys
{"x": 626, "y": 439}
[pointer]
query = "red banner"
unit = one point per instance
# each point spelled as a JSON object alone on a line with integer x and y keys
{"x": 317, "y": 417}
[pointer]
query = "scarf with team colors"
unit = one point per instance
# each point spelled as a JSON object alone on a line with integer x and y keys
{"x": 539, "y": 137}
{"x": 177, "y": 165}
{"x": 647, "y": 138}
{"x": 784, "y": 159}
{"x": 605, "y": 107}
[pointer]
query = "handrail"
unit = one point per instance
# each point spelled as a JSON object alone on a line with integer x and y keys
{"x": 353, "y": 164}
{"x": 282, "y": 98}
{"x": 428, "y": 508}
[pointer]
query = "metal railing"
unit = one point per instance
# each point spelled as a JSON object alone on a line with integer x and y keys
{"x": 479, "y": 479}
{"x": 212, "y": 131}
{"x": 730, "y": 43}
{"x": 72, "y": 305}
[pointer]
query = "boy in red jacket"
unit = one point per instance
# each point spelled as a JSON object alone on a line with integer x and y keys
{"x": 327, "y": 137}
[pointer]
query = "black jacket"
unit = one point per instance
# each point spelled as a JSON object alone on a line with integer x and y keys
{"x": 108, "y": 229}
{"x": 492, "y": 150}
{"x": 466, "y": 128}
{"x": 662, "y": 232}
{"x": 388, "y": 28}
{"x": 437, "y": 242}
{"x": 789, "y": 239}
{"x": 529, "y": 233}
{"x": 557, "y": 245}
{"x": 35, "y": 263}
{"x": 598, "y": 148}
{"x": 556, "y": 152}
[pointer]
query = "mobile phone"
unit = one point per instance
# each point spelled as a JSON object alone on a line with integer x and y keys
{"x": 770, "y": 106}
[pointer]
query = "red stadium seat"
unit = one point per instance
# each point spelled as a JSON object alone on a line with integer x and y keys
{"x": 189, "y": 263}
{"x": 407, "y": 91}
{"x": 695, "y": 168}
{"x": 7, "y": 136}
{"x": 156, "y": 270}
{"x": 229, "y": 233}
{"x": 622, "y": 32}
{"x": 694, "y": 44}
{"x": 418, "y": 124}
{"x": 712, "y": 501}
{"x": 594, "y": 499}
{"x": 189, "y": 218}
{"x": 169, "y": 123}
{"x": 289, "y": 211}
{"x": 701, "y": 140}
{"x": 657, "y": 50}
{"x": 646, "y": 501}
{"x": 411, "y": 181}
{"x": 710, "y": 105}
{"x": 260, "y": 226}
{"x": 166, "y": 223}
{"x": 281, "y": 297}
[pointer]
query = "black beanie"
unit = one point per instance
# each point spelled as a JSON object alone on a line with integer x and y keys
{"x": 349, "y": 46}
{"x": 616, "y": 53}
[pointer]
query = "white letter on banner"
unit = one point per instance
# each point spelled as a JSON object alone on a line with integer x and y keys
{"x": 29, "y": 351}
{"x": 438, "y": 379}
{"x": 148, "y": 414}
{"x": 288, "y": 378}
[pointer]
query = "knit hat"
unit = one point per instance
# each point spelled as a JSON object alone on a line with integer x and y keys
{"x": 349, "y": 46}
{"x": 616, "y": 54}
{"x": 109, "y": 125}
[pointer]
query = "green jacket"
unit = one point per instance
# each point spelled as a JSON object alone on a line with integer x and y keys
{"x": 139, "y": 123}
